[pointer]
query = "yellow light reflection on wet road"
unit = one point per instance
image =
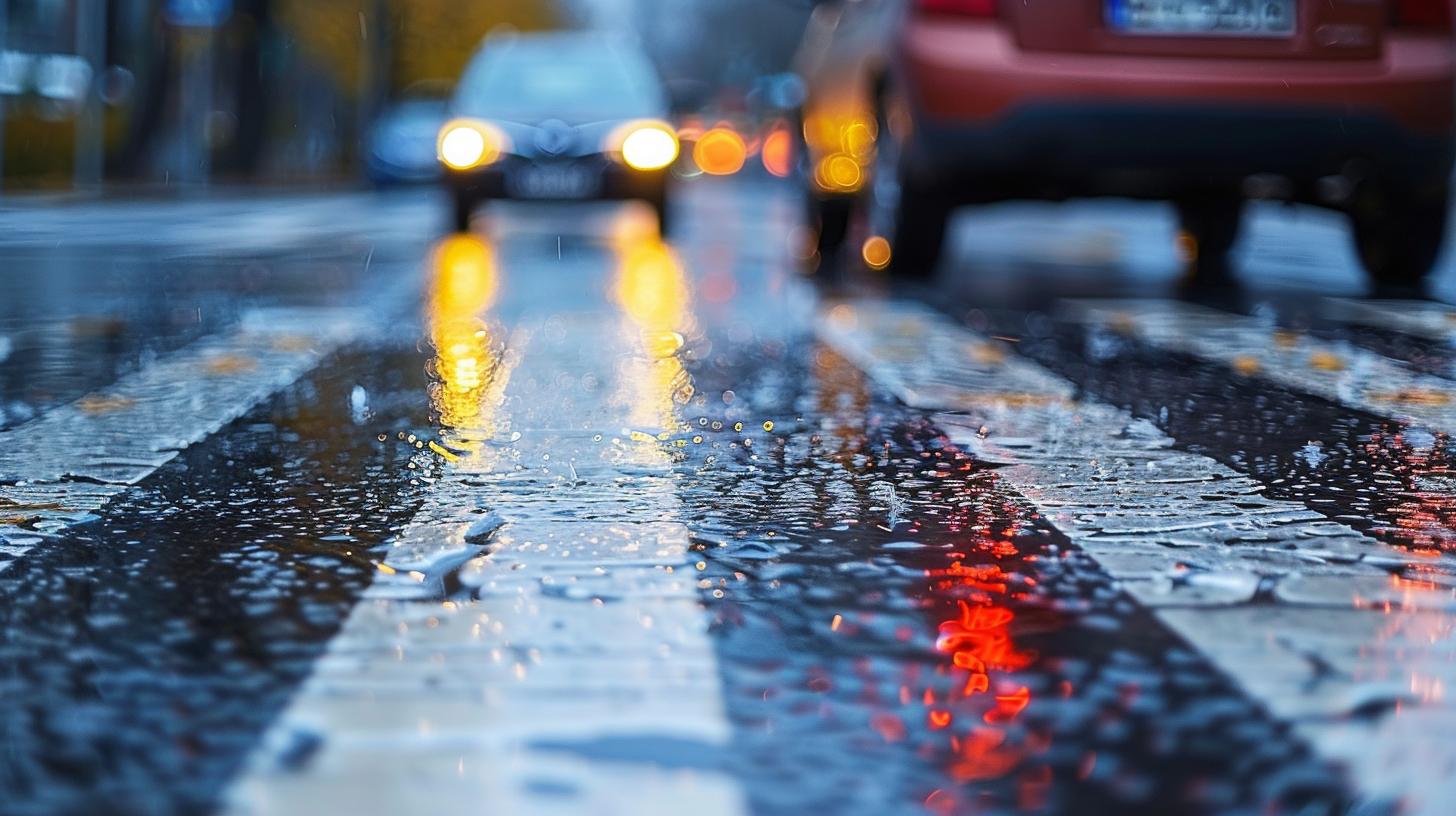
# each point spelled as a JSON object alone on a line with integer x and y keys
{"x": 469, "y": 377}
{"x": 652, "y": 291}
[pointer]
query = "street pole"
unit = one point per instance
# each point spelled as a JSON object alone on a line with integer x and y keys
{"x": 195, "y": 155}
{"x": 90, "y": 142}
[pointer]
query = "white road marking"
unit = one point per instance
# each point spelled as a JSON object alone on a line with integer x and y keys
{"x": 1421, "y": 318}
{"x": 1340, "y": 372}
{"x": 1354, "y": 657}
{"x": 574, "y": 673}
{"x": 232, "y": 224}
{"x": 62, "y": 466}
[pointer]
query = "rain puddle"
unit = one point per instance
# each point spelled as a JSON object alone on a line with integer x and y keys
{"x": 142, "y": 653}
{"x": 899, "y": 632}
{"x": 1390, "y": 481}
{"x": 73, "y": 330}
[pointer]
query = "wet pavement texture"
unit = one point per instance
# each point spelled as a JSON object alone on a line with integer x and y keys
{"x": 306, "y": 506}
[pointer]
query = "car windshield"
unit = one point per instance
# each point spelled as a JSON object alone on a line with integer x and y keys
{"x": 564, "y": 77}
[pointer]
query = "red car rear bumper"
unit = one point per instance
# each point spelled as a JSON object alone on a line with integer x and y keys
{"x": 1003, "y": 122}
{"x": 973, "y": 71}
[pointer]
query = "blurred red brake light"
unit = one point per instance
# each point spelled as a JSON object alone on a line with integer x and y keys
{"x": 963, "y": 8}
{"x": 1428, "y": 14}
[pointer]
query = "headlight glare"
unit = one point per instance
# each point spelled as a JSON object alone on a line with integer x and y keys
{"x": 466, "y": 143}
{"x": 648, "y": 146}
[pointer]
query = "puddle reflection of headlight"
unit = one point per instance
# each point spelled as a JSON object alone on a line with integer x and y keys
{"x": 466, "y": 368}
{"x": 651, "y": 288}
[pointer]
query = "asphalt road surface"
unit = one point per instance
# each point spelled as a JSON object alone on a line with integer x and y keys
{"x": 307, "y": 507}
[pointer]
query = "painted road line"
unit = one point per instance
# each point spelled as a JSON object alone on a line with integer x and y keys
{"x": 1339, "y": 372}
{"x": 1343, "y": 637}
{"x": 1419, "y": 318}
{"x": 507, "y": 654}
{"x": 228, "y": 224}
{"x": 61, "y": 467}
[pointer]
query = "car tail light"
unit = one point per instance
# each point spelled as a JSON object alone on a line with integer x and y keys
{"x": 961, "y": 8}
{"x": 1427, "y": 14}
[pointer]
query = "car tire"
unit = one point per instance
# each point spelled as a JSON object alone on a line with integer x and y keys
{"x": 1398, "y": 236}
{"x": 908, "y": 213}
{"x": 917, "y": 234}
{"x": 1211, "y": 224}
{"x": 461, "y": 211}
{"x": 662, "y": 207}
{"x": 829, "y": 217}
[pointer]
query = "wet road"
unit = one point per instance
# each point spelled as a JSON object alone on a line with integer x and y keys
{"x": 307, "y": 507}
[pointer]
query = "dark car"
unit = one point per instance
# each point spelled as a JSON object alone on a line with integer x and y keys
{"x": 558, "y": 116}
{"x": 918, "y": 106}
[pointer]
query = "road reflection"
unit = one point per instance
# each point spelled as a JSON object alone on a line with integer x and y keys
{"x": 467, "y": 374}
{"x": 1423, "y": 513}
{"x": 962, "y": 715}
{"x": 983, "y": 698}
{"x": 651, "y": 290}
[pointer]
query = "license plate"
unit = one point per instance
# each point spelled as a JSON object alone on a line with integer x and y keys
{"x": 549, "y": 181}
{"x": 1203, "y": 18}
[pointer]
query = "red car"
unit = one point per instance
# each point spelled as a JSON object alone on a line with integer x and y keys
{"x": 915, "y": 107}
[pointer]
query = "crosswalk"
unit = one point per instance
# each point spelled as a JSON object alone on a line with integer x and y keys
{"x": 569, "y": 645}
{"x": 59, "y": 468}
{"x": 538, "y": 618}
{"x": 1427, "y": 319}
{"x": 1338, "y": 371}
{"x": 1316, "y": 621}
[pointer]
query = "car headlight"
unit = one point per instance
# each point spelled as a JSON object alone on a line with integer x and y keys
{"x": 466, "y": 143}
{"x": 647, "y": 145}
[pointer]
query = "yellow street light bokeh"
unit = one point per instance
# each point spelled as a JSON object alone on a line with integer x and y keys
{"x": 720, "y": 152}
{"x": 470, "y": 371}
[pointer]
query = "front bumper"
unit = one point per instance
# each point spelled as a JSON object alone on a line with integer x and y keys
{"x": 610, "y": 180}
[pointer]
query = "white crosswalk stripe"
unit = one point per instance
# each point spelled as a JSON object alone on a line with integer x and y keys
{"x": 574, "y": 672}
{"x": 1334, "y": 632}
{"x": 1420, "y": 318}
{"x": 62, "y": 466}
{"x": 1340, "y": 372}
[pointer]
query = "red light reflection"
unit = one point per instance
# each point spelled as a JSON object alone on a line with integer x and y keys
{"x": 965, "y": 711}
{"x": 977, "y": 711}
{"x": 1424, "y": 518}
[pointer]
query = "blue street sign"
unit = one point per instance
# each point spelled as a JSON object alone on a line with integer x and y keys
{"x": 198, "y": 13}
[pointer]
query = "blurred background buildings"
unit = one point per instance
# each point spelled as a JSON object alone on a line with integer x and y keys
{"x": 188, "y": 92}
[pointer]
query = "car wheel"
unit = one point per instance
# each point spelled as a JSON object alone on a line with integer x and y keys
{"x": 462, "y": 209}
{"x": 1398, "y": 237}
{"x": 828, "y": 216}
{"x": 916, "y": 233}
{"x": 911, "y": 217}
{"x": 1209, "y": 227}
{"x": 659, "y": 204}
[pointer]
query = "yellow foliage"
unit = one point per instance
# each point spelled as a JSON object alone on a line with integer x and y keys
{"x": 428, "y": 39}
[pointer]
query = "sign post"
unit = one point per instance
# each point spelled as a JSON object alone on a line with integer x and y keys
{"x": 197, "y": 22}
{"x": 90, "y": 143}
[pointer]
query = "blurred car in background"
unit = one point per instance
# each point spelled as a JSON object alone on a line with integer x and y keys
{"x": 402, "y": 143}
{"x": 915, "y": 107}
{"x": 558, "y": 116}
